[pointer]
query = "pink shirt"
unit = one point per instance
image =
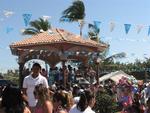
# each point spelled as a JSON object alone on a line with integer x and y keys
{"x": 39, "y": 109}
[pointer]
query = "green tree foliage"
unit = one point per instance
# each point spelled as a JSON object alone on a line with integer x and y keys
{"x": 104, "y": 103}
{"x": 75, "y": 13}
{"x": 12, "y": 76}
{"x": 93, "y": 32}
{"x": 37, "y": 26}
{"x": 107, "y": 62}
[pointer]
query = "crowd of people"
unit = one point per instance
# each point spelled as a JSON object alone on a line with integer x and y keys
{"x": 39, "y": 94}
{"x": 56, "y": 74}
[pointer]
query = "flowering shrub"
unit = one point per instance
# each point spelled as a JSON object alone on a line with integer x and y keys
{"x": 104, "y": 103}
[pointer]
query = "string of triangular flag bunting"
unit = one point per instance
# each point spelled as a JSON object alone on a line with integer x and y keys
{"x": 26, "y": 18}
{"x": 127, "y": 27}
{"x": 112, "y": 25}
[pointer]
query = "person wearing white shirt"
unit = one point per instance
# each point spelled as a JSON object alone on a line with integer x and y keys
{"x": 30, "y": 82}
{"x": 85, "y": 104}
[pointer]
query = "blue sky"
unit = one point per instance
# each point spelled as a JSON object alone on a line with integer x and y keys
{"x": 134, "y": 12}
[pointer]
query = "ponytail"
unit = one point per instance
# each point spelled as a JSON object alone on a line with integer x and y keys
{"x": 82, "y": 105}
{"x": 85, "y": 98}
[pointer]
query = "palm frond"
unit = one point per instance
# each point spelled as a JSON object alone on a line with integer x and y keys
{"x": 44, "y": 24}
{"x": 104, "y": 54}
{"x": 37, "y": 26}
{"x": 93, "y": 36}
{"x": 93, "y": 28}
{"x": 116, "y": 56}
{"x": 74, "y": 12}
{"x": 93, "y": 32}
{"x": 30, "y": 31}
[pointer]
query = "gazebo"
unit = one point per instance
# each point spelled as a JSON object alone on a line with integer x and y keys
{"x": 54, "y": 46}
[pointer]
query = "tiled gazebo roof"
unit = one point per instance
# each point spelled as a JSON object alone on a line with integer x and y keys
{"x": 57, "y": 36}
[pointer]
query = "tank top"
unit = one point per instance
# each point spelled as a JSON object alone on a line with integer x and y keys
{"x": 39, "y": 109}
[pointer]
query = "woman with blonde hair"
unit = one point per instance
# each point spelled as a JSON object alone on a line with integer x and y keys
{"x": 63, "y": 101}
{"x": 44, "y": 105}
{"x": 70, "y": 101}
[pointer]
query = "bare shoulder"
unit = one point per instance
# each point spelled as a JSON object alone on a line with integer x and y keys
{"x": 48, "y": 104}
{"x": 62, "y": 111}
{"x": 26, "y": 110}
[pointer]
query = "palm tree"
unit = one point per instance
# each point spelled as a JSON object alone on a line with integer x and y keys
{"x": 37, "y": 26}
{"x": 93, "y": 32}
{"x": 111, "y": 58}
{"x": 75, "y": 13}
{"x": 94, "y": 35}
{"x": 107, "y": 62}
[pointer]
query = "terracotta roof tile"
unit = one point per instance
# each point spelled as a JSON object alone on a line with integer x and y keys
{"x": 55, "y": 36}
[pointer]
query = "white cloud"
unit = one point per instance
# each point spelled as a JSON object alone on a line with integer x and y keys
{"x": 45, "y": 17}
{"x": 8, "y": 13}
{"x": 22, "y": 30}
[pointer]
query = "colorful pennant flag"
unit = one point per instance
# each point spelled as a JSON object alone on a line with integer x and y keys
{"x": 90, "y": 25}
{"x": 112, "y": 26}
{"x": 139, "y": 28}
{"x": 148, "y": 30}
{"x": 65, "y": 19}
{"x": 93, "y": 28}
{"x": 97, "y": 24}
{"x": 26, "y": 18}
{"x": 127, "y": 27}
